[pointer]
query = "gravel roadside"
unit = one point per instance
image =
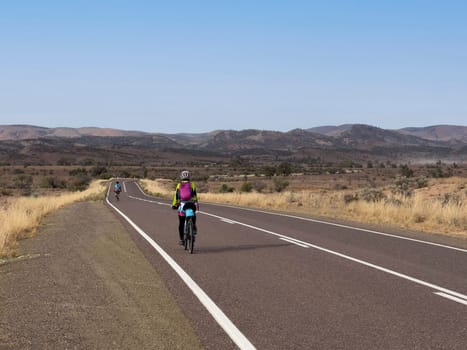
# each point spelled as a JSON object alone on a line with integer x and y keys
{"x": 81, "y": 283}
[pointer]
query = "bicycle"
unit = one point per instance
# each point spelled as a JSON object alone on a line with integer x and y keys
{"x": 189, "y": 235}
{"x": 117, "y": 195}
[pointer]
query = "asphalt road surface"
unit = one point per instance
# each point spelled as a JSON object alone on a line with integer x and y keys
{"x": 270, "y": 281}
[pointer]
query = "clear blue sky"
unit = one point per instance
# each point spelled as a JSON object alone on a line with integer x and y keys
{"x": 197, "y": 66}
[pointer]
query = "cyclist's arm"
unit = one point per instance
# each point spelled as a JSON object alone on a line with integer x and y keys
{"x": 194, "y": 195}
{"x": 176, "y": 196}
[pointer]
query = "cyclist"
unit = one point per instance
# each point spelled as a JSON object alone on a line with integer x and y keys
{"x": 185, "y": 196}
{"x": 117, "y": 189}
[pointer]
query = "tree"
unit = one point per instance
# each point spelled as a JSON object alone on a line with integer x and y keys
{"x": 284, "y": 169}
{"x": 406, "y": 171}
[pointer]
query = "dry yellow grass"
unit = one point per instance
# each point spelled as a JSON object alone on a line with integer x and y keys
{"x": 19, "y": 217}
{"x": 441, "y": 207}
{"x": 159, "y": 187}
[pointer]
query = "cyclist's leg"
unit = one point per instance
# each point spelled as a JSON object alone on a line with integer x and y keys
{"x": 181, "y": 227}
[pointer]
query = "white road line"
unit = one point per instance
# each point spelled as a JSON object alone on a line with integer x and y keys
{"x": 334, "y": 224}
{"x": 228, "y": 326}
{"x": 147, "y": 200}
{"x": 346, "y": 226}
{"x": 293, "y": 242}
{"x": 451, "y": 297}
{"x": 124, "y": 186}
{"x": 362, "y": 262}
{"x": 228, "y": 221}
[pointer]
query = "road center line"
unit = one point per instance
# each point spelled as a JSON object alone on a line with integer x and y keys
{"x": 226, "y": 324}
{"x": 147, "y": 200}
{"x": 451, "y": 297}
{"x": 348, "y": 227}
{"x": 347, "y": 257}
{"x": 335, "y": 224}
{"x": 293, "y": 242}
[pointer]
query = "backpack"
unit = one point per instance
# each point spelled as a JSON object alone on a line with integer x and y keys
{"x": 185, "y": 191}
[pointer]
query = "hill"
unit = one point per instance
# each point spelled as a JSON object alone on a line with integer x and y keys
{"x": 438, "y": 132}
{"x": 23, "y": 144}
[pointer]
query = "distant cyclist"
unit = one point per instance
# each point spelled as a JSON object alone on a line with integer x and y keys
{"x": 117, "y": 189}
{"x": 185, "y": 197}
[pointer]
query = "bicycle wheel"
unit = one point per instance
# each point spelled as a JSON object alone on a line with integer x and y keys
{"x": 191, "y": 242}
{"x": 187, "y": 233}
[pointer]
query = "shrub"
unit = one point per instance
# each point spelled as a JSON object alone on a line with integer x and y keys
{"x": 451, "y": 198}
{"x": 422, "y": 182}
{"x": 284, "y": 169}
{"x": 52, "y": 182}
{"x": 246, "y": 187}
{"x": 23, "y": 182}
{"x": 225, "y": 189}
{"x": 64, "y": 161}
{"x": 280, "y": 184}
{"x": 78, "y": 172}
{"x": 79, "y": 184}
{"x": 402, "y": 186}
{"x": 406, "y": 171}
{"x": 259, "y": 186}
{"x": 97, "y": 171}
{"x": 439, "y": 172}
{"x": 269, "y": 171}
{"x": 105, "y": 176}
{"x": 373, "y": 195}
{"x": 348, "y": 198}
{"x": 6, "y": 192}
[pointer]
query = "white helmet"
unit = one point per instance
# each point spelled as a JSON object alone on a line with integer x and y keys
{"x": 185, "y": 175}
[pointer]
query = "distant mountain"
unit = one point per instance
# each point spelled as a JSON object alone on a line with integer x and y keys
{"x": 37, "y": 145}
{"x": 24, "y": 132}
{"x": 330, "y": 130}
{"x": 435, "y": 132}
{"x": 438, "y": 132}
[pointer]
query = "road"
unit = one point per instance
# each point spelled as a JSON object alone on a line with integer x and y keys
{"x": 272, "y": 281}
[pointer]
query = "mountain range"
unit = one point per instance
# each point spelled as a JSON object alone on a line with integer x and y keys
{"x": 357, "y": 142}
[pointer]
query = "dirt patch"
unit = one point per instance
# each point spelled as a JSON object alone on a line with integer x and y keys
{"x": 83, "y": 284}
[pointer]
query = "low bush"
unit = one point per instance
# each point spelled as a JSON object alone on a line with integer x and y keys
{"x": 225, "y": 189}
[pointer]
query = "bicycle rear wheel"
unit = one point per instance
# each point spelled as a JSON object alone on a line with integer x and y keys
{"x": 189, "y": 237}
{"x": 192, "y": 243}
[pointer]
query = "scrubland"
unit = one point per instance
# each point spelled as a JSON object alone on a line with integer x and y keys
{"x": 20, "y": 216}
{"x": 428, "y": 205}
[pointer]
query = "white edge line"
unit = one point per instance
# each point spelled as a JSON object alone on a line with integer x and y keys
{"x": 233, "y": 332}
{"x": 333, "y": 224}
{"x": 346, "y": 226}
{"x": 377, "y": 267}
{"x": 451, "y": 297}
{"x": 290, "y": 241}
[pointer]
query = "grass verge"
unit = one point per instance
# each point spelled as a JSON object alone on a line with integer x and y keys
{"x": 20, "y": 217}
{"x": 439, "y": 207}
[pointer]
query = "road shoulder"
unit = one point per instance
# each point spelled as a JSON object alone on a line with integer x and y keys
{"x": 83, "y": 283}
